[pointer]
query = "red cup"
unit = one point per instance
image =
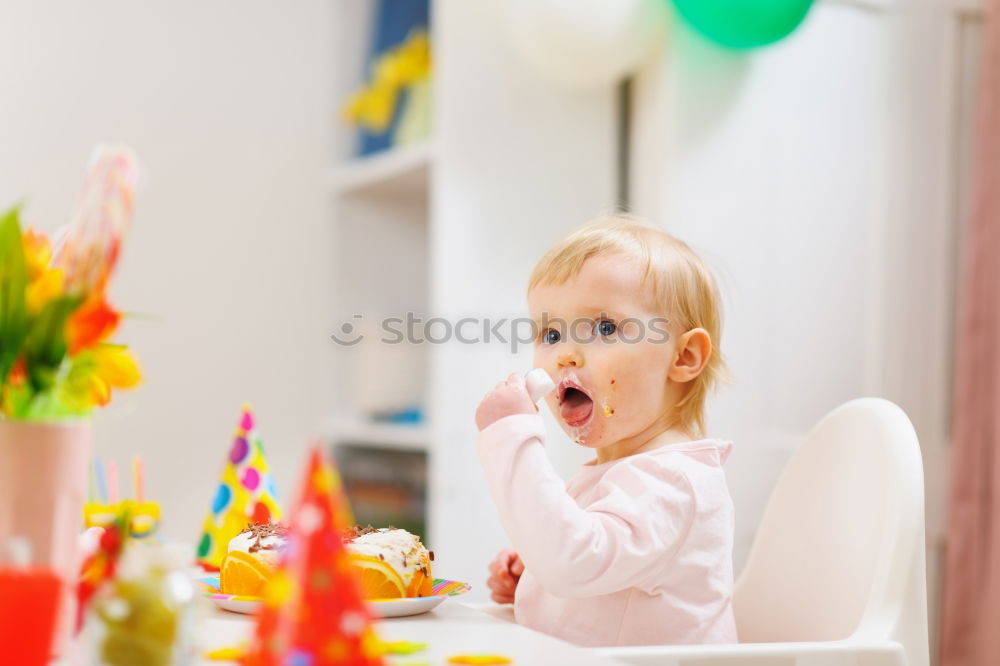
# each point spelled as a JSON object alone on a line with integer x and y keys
{"x": 29, "y": 606}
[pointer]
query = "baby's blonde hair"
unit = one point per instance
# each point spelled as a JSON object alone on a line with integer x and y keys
{"x": 683, "y": 289}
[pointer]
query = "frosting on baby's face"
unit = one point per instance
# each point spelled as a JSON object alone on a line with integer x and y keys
{"x": 603, "y": 342}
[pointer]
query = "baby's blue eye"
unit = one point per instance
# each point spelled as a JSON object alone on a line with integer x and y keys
{"x": 605, "y": 327}
{"x": 550, "y": 337}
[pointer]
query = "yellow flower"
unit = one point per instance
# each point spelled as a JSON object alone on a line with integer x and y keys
{"x": 117, "y": 366}
{"x": 93, "y": 373}
{"x": 37, "y": 253}
{"x": 47, "y": 286}
{"x": 44, "y": 282}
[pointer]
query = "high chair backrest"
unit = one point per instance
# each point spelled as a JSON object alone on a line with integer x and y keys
{"x": 840, "y": 549}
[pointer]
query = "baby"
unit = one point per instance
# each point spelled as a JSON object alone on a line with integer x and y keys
{"x": 637, "y": 548}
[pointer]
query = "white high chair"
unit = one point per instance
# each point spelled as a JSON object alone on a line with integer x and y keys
{"x": 836, "y": 574}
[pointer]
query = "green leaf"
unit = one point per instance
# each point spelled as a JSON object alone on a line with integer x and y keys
{"x": 45, "y": 345}
{"x": 72, "y": 384}
{"x": 13, "y": 283}
{"x": 27, "y": 405}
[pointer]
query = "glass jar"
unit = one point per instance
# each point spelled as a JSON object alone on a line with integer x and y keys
{"x": 145, "y": 616}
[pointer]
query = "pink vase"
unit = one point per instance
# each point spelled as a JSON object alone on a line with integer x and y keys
{"x": 43, "y": 485}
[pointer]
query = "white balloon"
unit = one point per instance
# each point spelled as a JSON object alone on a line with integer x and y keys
{"x": 586, "y": 44}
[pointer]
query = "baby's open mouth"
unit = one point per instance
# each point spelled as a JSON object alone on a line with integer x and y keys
{"x": 575, "y": 405}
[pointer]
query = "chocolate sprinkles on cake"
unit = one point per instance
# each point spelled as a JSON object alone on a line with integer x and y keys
{"x": 263, "y": 530}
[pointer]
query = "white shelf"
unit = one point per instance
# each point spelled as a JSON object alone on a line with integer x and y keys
{"x": 344, "y": 430}
{"x": 400, "y": 174}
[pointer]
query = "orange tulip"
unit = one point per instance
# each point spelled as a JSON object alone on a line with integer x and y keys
{"x": 92, "y": 323}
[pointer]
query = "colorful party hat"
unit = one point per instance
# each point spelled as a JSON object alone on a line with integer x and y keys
{"x": 245, "y": 494}
{"x": 313, "y": 611}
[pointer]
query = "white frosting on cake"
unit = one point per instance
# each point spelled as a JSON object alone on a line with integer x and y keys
{"x": 400, "y": 550}
{"x": 268, "y": 551}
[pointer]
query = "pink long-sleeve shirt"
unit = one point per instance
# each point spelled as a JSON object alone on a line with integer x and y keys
{"x": 637, "y": 551}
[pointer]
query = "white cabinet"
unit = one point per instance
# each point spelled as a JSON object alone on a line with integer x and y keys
{"x": 381, "y": 217}
{"x": 517, "y": 165}
{"x": 451, "y": 228}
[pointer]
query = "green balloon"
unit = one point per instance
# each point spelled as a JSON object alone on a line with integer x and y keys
{"x": 743, "y": 24}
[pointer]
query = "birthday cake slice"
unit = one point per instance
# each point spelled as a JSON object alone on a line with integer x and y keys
{"x": 252, "y": 558}
{"x": 390, "y": 563}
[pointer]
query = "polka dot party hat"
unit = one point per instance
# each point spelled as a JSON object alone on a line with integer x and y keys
{"x": 245, "y": 494}
{"x": 313, "y": 611}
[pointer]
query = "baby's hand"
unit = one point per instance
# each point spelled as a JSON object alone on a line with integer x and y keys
{"x": 509, "y": 397}
{"x": 505, "y": 572}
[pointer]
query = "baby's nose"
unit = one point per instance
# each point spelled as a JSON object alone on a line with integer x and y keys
{"x": 570, "y": 359}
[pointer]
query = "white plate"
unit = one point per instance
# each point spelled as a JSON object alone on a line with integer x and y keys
{"x": 387, "y": 608}
{"x": 404, "y": 607}
{"x": 226, "y": 602}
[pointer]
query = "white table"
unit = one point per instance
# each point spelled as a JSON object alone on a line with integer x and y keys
{"x": 452, "y": 628}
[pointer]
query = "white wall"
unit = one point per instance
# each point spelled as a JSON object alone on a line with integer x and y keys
{"x": 769, "y": 165}
{"x": 229, "y": 108}
{"x": 823, "y": 177}
{"x": 520, "y": 164}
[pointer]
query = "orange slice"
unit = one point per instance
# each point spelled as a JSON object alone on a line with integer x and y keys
{"x": 243, "y": 574}
{"x": 378, "y": 579}
{"x": 421, "y": 585}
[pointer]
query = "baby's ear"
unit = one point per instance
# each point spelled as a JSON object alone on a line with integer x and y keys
{"x": 694, "y": 348}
